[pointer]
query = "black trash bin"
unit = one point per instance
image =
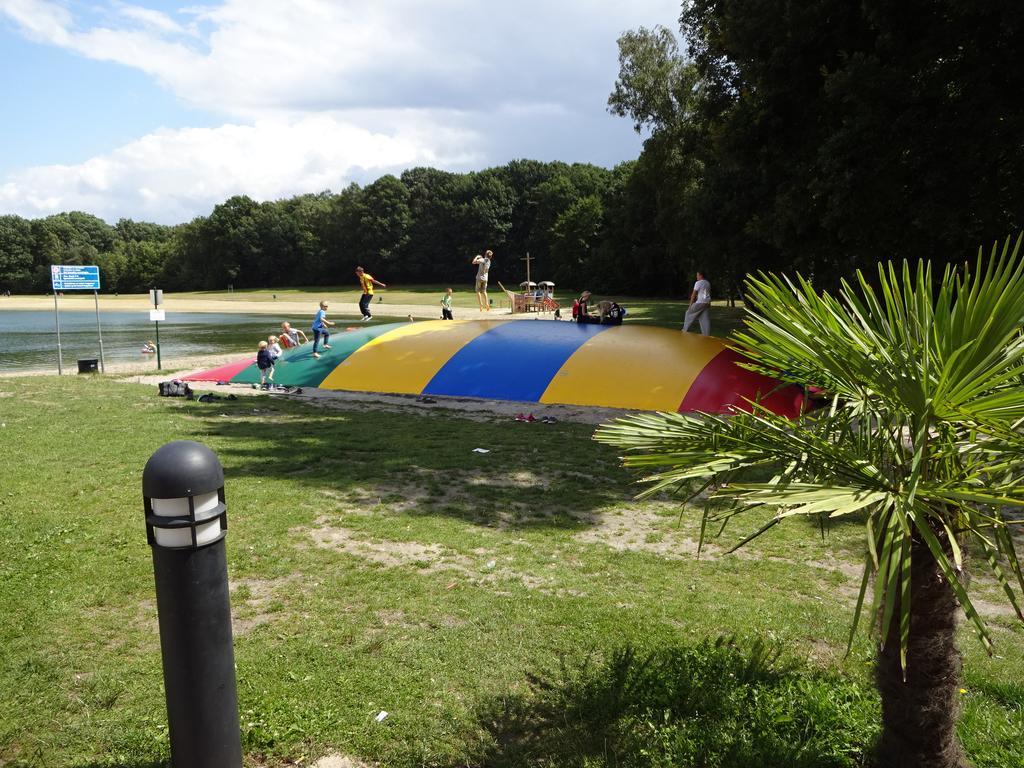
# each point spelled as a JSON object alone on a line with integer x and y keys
{"x": 89, "y": 365}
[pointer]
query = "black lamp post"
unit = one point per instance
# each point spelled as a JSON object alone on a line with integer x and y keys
{"x": 186, "y": 523}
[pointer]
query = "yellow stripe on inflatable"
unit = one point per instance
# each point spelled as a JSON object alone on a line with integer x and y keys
{"x": 404, "y": 360}
{"x": 634, "y": 367}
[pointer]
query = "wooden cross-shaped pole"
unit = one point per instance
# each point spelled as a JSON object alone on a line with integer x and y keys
{"x": 527, "y": 258}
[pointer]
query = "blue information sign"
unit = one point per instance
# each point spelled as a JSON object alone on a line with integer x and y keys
{"x": 75, "y": 278}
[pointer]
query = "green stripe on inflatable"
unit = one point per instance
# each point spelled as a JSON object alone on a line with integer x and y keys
{"x": 298, "y": 368}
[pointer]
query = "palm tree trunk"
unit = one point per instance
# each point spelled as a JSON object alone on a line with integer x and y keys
{"x": 919, "y": 714}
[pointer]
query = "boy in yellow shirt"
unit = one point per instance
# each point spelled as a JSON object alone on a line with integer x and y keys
{"x": 367, "y": 281}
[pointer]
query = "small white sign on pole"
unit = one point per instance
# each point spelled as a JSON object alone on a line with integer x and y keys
{"x": 156, "y": 315}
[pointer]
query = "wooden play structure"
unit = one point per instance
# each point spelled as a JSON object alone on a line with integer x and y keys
{"x": 532, "y": 297}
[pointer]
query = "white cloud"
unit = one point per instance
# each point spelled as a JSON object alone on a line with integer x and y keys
{"x": 169, "y": 176}
{"x": 320, "y": 92}
{"x": 41, "y": 21}
{"x": 245, "y": 57}
{"x": 149, "y": 18}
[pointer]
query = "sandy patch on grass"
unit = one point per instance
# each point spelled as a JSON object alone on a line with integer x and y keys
{"x": 520, "y": 479}
{"x": 824, "y": 654}
{"x": 145, "y": 619}
{"x": 413, "y": 496}
{"x": 637, "y": 530}
{"x": 991, "y": 610}
{"x": 340, "y": 761}
{"x": 481, "y": 567}
{"x": 251, "y": 599}
{"x": 430, "y": 558}
{"x": 644, "y": 530}
{"x": 851, "y": 570}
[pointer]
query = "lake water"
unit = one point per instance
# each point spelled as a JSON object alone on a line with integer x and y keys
{"x": 28, "y": 339}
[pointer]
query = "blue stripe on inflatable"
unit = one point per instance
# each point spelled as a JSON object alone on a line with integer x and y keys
{"x": 512, "y": 361}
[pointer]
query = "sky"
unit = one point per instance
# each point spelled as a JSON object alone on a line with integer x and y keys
{"x": 158, "y": 111}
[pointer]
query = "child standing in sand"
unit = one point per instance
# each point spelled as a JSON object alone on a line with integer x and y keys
{"x": 266, "y": 365}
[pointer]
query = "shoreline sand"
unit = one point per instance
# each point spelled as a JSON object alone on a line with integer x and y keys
{"x": 284, "y": 309}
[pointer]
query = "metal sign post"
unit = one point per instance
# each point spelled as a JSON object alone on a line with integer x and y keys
{"x": 75, "y": 277}
{"x": 99, "y": 331}
{"x": 60, "y": 354}
{"x": 156, "y": 315}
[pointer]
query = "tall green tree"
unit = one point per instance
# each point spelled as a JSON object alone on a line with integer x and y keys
{"x": 921, "y": 443}
{"x": 486, "y": 213}
{"x": 433, "y": 250}
{"x": 382, "y": 227}
{"x": 575, "y": 236}
{"x": 817, "y": 135}
{"x": 15, "y": 253}
{"x": 309, "y": 213}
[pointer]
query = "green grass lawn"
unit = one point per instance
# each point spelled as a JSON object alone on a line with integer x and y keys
{"x": 509, "y": 608}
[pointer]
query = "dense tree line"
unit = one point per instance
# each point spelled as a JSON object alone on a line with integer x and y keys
{"x": 581, "y": 225}
{"x": 826, "y": 135}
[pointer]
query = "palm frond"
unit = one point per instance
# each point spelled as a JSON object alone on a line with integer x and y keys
{"x": 923, "y": 437}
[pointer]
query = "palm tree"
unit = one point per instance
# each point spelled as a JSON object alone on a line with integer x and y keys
{"x": 921, "y": 439}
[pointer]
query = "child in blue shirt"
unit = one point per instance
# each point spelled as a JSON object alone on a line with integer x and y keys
{"x": 320, "y": 326}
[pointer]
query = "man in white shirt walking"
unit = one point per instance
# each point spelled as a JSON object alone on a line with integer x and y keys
{"x": 700, "y": 303}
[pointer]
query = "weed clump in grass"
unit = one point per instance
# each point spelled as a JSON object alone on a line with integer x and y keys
{"x": 716, "y": 705}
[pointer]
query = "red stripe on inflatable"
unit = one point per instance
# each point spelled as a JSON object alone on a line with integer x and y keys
{"x": 224, "y": 373}
{"x": 723, "y": 387}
